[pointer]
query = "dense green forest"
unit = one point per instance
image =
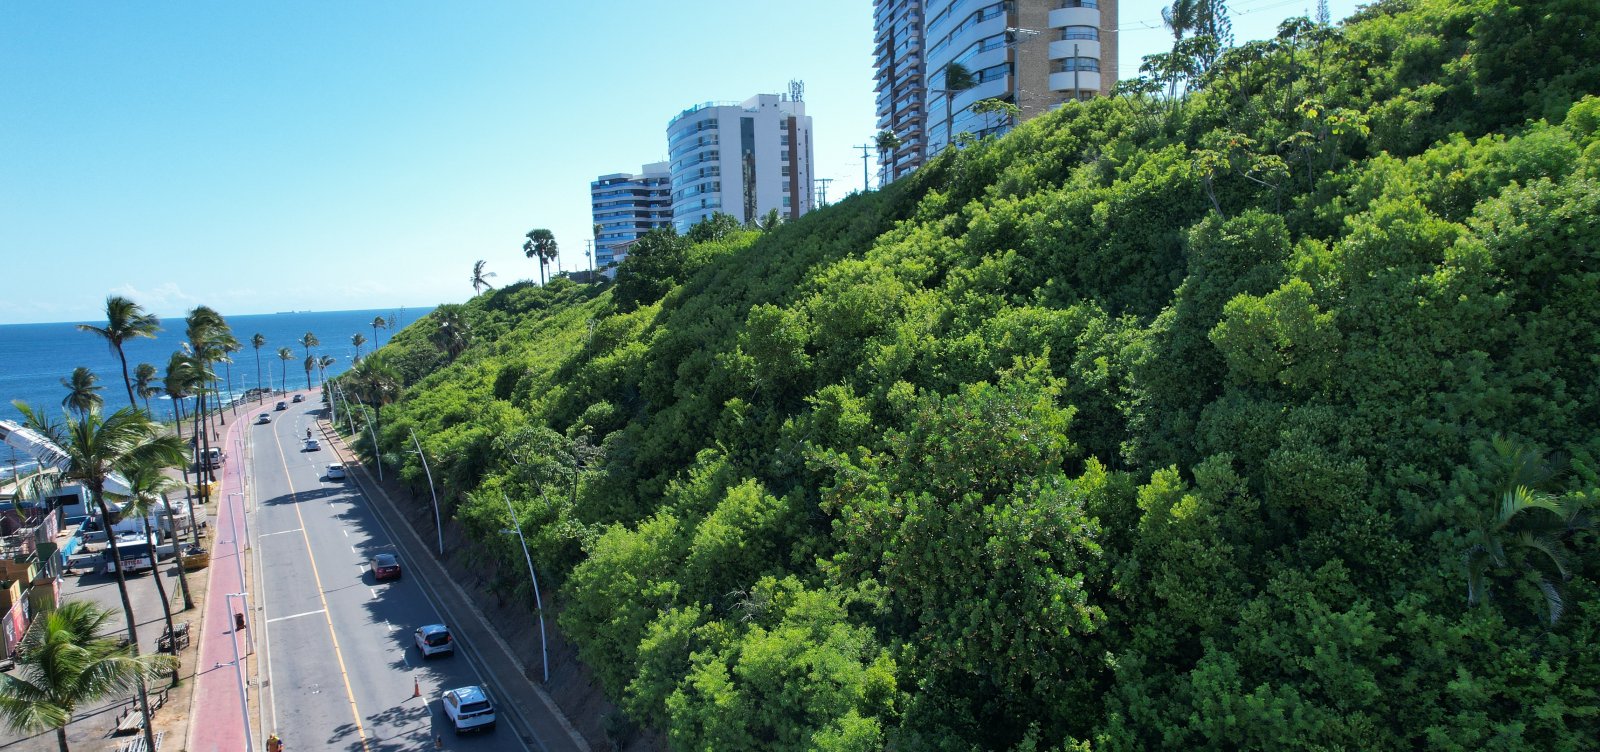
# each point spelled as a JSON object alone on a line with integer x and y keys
{"x": 1264, "y": 416}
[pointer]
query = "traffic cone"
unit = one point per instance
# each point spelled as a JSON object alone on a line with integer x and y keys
{"x": 416, "y": 688}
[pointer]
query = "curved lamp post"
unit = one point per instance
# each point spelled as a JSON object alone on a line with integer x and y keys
{"x": 538, "y": 602}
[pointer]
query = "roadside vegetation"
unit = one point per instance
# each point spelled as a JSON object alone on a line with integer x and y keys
{"x": 1254, "y": 407}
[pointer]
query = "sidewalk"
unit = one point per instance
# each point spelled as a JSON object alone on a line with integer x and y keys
{"x": 504, "y": 670}
{"x": 216, "y": 725}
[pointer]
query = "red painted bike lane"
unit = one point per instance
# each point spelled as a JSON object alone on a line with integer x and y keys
{"x": 217, "y": 718}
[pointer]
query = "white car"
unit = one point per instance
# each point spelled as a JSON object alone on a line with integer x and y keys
{"x": 336, "y": 471}
{"x": 468, "y": 708}
{"x": 312, "y": 445}
{"x": 433, "y": 639}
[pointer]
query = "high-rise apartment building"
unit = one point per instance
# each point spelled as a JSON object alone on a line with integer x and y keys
{"x": 626, "y": 206}
{"x": 742, "y": 159}
{"x": 1037, "y": 54}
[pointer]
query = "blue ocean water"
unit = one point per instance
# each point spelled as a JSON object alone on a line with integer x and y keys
{"x": 34, "y": 358}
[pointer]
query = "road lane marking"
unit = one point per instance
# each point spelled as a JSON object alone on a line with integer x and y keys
{"x": 280, "y": 532}
{"x": 322, "y": 595}
{"x": 296, "y": 616}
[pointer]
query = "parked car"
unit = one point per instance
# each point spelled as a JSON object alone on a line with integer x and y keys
{"x": 299, "y": 398}
{"x": 468, "y": 708}
{"x": 336, "y": 471}
{"x": 213, "y": 458}
{"x": 265, "y": 418}
{"x": 433, "y": 639}
{"x": 312, "y": 445}
{"x": 282, "y": 405}
{"x": 385, "y": 567}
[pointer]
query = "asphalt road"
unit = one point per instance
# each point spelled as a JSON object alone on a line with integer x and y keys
{"x": 338, "y": 664}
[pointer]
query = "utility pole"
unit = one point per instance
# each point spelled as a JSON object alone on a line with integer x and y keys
{"x": 866, "y": 151}
{"x": 822, "y": 190}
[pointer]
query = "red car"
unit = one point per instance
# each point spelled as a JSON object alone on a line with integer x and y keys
{"x": 385, "y": 567}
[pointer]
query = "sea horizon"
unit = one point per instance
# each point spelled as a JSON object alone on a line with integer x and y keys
{"x": 35, "y": 357}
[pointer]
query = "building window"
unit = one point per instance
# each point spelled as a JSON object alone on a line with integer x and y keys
{"x": 1086, "y": 64}
{"x": 1080, "y": 32}
{"x": 1080, "y": 3}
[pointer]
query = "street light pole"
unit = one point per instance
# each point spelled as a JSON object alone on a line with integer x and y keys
{"x": 538, "y": 601}
{"x": 238, "y": 671}
{"x": 238, "y": 561}
{"x": 436, "y": 523}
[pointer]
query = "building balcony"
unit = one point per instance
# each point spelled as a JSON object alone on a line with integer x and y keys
{"x": 1062, "y": 17}
{"x": 1086, "y": 48}
{"x": 1086, "y": 81}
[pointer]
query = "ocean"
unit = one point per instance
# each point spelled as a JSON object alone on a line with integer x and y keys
{"x": 34, "y": 358}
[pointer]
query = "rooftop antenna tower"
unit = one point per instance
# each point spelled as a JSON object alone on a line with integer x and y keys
{"x": 797, "y": 90}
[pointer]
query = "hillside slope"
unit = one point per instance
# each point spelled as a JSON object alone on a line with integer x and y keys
{"x": 1263, "y": 418}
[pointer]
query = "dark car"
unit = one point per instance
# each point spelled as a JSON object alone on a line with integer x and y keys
{"x": 282, "y": 405}
{"x": 299, "y": 398}
{"x": 385, "y": 567}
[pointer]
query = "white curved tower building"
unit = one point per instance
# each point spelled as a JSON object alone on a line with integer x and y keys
{"x": 743, "y": 159}
{"x": 1037, "y": 54}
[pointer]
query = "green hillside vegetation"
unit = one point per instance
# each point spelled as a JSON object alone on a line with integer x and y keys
{"x": 1266, "y": 417}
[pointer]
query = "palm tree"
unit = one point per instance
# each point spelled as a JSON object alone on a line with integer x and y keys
{"x": 541, "y": 245}
{"x": 64, "y": 663}
{"x": 377, "y": 323}
{"x": 177, "y": 384}
{"x": 480, "y": 278}
{"x": 309, "y": 341}
{"x": 1526, "y": 533}
{"x": 323, "y": 362}
{"x": 358, "y": 339}
{"x": 285, "y": 355}
{"x": 148, "y": 486}
{"x": 40, "y": 423}
{"x": 886, "y": 142}
{"x": 82, "y": 392}
{"x": 144, "y": 384}
{"x": 96, "y": 449}
{"x": 125, "y": 320}
{"x": 258, "y": 341}
{"x": 956, "y": 80}
{"x": 453, "y": 334}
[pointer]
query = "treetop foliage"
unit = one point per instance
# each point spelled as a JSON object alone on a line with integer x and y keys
{"x": 1196, "y": 417}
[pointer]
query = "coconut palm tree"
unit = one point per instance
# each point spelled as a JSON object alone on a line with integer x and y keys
{"x": 64, "y": 664}
{"x": 323, "y": 363}
{"x": 258, "y": 341}
{"x": 148, "y": 486}
{"x": 358, "y": 339}
{"x": 144, "y": 384}
{"x": 377, "y": 323}
{"x": 285, "y": 355}
{"x": 541, "y": 246}
{"x": 176, "y": 385}
{"x": 956, "y": 80}
{"x": 125, "y": 320}
{"x": 83, "y": 393}
{"x": 96, "y": 449}
{"x": 309, "y": 341}
{"x": 480, "y": 278}
{"x": 886, "y": 142}
{"x": 40, "y": 423}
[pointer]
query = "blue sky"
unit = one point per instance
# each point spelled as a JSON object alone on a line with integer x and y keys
{"x": 258, "y": 157}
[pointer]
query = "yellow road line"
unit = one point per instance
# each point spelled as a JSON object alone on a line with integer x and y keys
{"x": 338, "y": 655}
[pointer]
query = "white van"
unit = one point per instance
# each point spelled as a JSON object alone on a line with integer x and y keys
{"x": 214, "y": 457}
